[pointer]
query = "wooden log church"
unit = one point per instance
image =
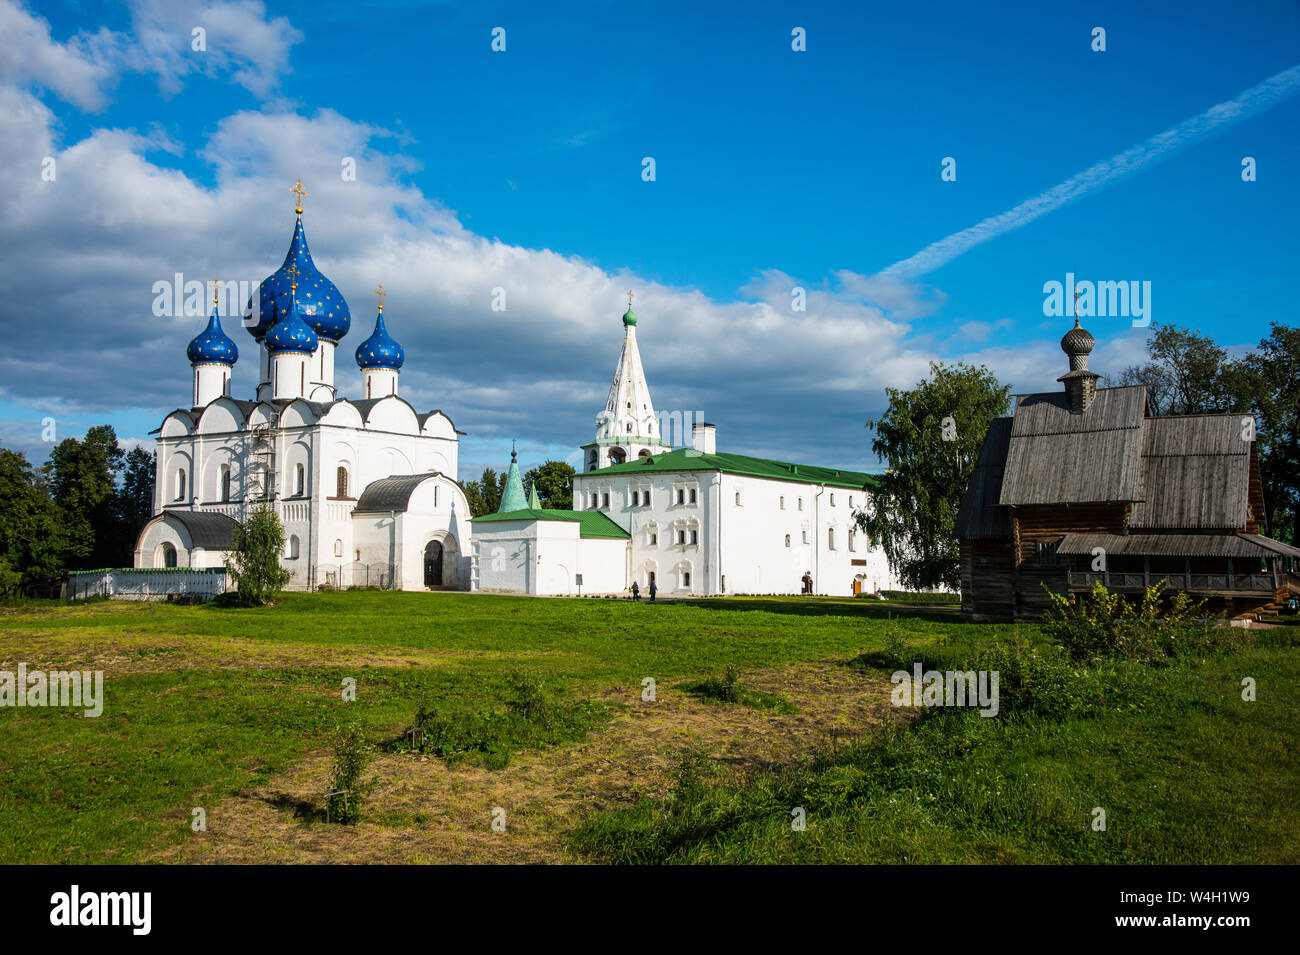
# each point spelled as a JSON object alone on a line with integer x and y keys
{"x": 1084, "y": 485}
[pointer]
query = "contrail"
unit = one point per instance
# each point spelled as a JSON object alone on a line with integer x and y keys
{"x": 1267, "y": 94}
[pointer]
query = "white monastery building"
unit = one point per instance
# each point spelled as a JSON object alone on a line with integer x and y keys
{"x": 691, "y": 521}
{"x": 365, "y": 487}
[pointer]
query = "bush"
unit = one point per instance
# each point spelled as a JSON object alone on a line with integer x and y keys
{"x": 254, "y": 563}
{"x": 351, "y": 755}
{"x": 1104, "y": 625}
{"x": 728, "y": 689}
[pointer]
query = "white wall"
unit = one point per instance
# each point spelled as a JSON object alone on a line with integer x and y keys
{"x": 741, "y": 547}
{"x": 545, "y": 557}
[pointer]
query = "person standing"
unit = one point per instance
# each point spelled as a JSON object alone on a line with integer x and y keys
{"x": 636, "y": 591}
{"x": 654, "y": 589}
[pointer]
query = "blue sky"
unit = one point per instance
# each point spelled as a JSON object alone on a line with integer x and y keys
{"x": 522, "y": 169}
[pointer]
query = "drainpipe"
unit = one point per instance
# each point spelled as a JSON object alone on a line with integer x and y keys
{"x": 817, "y": 534}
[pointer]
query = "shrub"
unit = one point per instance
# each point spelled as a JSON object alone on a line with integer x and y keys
{"x": 1102, "y": 624}
{"x": 728, "y": 689}
{"x": 254, "y": 563}
{"x": 351, "y": 755}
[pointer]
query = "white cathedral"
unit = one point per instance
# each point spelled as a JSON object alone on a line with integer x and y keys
{"x": 366, "y": 487}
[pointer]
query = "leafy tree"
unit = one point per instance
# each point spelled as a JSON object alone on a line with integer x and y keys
{"x": 484, "y": 495}
{"x": 1187, "y": 373}
{"x": 554, "y": 483}
{"x": 33, "y": 537}
{"x": 82, "y": 478}
{"x": 254, "y": 561}
{"x": 1267, "y": 383}
{"x": 930, "y": 436}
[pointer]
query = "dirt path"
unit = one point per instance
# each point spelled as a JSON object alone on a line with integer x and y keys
{"x": 425, "y": 811}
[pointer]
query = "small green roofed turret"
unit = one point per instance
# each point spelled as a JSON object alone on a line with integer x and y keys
{"x": 512, "y": 499}
{"x": 629, "y": 317}
{"x": 533, "y": 501}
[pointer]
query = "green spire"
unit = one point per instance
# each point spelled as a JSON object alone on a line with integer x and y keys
{"x": 533, "y": 501}
{"x": 512, "y": 499}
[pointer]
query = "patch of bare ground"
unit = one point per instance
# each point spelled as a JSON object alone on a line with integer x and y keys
{"x": 423, "y": 810}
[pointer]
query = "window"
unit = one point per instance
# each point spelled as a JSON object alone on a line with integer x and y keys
{"x": 783, "y": 502}
{"x": 338, "y": 548}
{"x": 629, "y": 427}
{"x": 692, "y": 495}
{"x": 853, "y": 537}
{"x": 299, "y": 479}
{"x": 787, "y": 540}
{"x": 830, "y": 538}
{"x": 604, "y": 499}
{"x": 1046, "y": 552}
{"x": 695, "y": 537}
{"x": 168, "y": 554}
{"x": 636, "y": 498}
{"x": 681, "y": 495}
{"x": 832, "y": 500}
{"x": 686, "y": 578}
{"x": 645, "y": 497}
{"x": 180, "y": 485}
{"x": 850, "y": 500}
{"x": 293, "y": 547}
{"x": 595, "y": 500}
{"x": 737, "y": 498}
{"x": 801, "y": 504}
{"x": 654, "y": 538}
{"x": 805, "y": 537}
{"x": 681, "y": 536}
{"x": 225, "y": 482}
{"x": 341, "y": 482}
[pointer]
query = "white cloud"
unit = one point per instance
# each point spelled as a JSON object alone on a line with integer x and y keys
{"x": 82, "y": 71}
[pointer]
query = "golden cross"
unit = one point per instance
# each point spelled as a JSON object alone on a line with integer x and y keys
{"x": 629, "y": 298}
{"x": 381, "y": 293}
{"x": 300, "y": 191}
{"x": 293, "y": 271}
{"x": 215, "y": 284}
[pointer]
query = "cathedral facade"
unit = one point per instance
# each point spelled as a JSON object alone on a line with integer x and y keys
{"x": 365, "y": 487}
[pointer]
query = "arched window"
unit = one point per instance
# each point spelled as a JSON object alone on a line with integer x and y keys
{"x": 299, "y": 480}
{"x": 787, "y": 540}
{"x": 338, "y": 548}
{"x": 341, "y": 480}
{"x": 168, "y": 554}
{"x": 852, "y": 539}
{"x": 830, "y": 538}
{"x": 224, "y": 480}
{"x": 293, "y": 547}
{"x": 180, "y": 485}
{"x": 783, "y": 502}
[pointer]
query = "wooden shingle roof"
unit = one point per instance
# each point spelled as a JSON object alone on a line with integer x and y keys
{"x": 1055, "y": 457}
{"x": 1195, "y": 473}
{"x": 980, "y": 515}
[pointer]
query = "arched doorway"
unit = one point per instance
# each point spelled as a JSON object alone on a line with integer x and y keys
{"x": 433, "y": 564}
{"x": 168, "y": 554}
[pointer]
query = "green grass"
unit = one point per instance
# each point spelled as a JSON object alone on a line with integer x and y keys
{"x": 1187, "y": 772}
{"x": 1185, "y": 769}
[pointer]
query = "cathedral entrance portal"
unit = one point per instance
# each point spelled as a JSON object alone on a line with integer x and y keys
{"x": 433, "y": 564}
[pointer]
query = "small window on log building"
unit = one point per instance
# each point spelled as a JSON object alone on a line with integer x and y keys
{"x": 1046, "y": 552}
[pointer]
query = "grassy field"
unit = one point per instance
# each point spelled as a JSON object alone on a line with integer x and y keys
{"x": 232, "y": 711}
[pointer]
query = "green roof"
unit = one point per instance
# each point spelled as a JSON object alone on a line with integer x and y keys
{"x": 590, "y": 523}
{"x": 684, "y": 459}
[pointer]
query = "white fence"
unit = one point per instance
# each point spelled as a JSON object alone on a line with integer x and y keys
{"x": 160, "y": 583}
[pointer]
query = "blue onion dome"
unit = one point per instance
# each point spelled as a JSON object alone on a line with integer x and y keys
{"x": 321, "y": 304}
{"x": 380, "y": 350}
{"x": 213, "y": 345}
{"x": 292, "y": 333}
